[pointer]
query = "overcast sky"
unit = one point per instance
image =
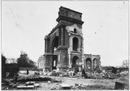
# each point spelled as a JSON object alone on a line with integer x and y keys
{"x": 105, "y": 28}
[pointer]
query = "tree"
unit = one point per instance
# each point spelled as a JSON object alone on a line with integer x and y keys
{"x": 31, "y": 63}
{"x": 24, "y": 61}
{"x": 3, "y": 65}
{"x": 3, "y": 60}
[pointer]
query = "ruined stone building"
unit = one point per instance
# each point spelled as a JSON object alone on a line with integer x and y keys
{"x": 64, "y": 44}
{"x": 91, "y": 62}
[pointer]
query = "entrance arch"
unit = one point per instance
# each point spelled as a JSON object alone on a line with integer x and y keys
{"x": 55, "y": 44}
{"x": 88, "y": 63}
{"x": 75, "y": 44}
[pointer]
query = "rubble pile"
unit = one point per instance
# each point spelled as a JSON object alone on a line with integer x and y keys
{"x": 88, "y": 75}
{"x": 52, "y": 73}
{"x": 98, "y": 75}
{"x": 123, "y": 73}
{"x": 8, "y": 84}
{"x": 101, "y": 75}
{"x": 79, "y": 87}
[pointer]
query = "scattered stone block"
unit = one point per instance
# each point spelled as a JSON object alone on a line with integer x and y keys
{"x": 119, "y": 85}
{"x": 65, "y": 86}
{"x": 25, "y": 87}
{"x": 30, "y": 83}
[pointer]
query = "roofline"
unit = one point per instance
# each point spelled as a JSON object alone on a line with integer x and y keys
{"x": 70, "y": 9}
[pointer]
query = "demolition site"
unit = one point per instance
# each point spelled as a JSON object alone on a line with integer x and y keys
{"x": 65, "y": 64}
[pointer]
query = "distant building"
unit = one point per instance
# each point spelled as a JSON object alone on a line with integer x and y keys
{"x": 40, "y": 63}
{"x": 11, "y": 60}
{"x": 125, "y": 64}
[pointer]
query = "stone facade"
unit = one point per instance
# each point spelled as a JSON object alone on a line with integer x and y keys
{"x": 64, "y": 44}
{"x": 125, "y": 64}
{"x": 40, "y": 63}
{"x": 91, "y": 62}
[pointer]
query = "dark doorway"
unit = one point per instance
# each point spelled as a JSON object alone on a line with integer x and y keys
{"x": 54, "y": 62}
{"x": 74, "y": 61}
{"x": 75, "y": 44}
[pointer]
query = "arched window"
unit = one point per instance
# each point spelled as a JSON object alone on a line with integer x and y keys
{"x": 95, "y": 63}
{"x": 88, "y": 63}
{"x": 75, "y": 30}
{"x": 55, "y": 43}
{"x": 75, "y": 44}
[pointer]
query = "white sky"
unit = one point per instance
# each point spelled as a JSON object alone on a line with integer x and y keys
{"x": 105, "y": 28}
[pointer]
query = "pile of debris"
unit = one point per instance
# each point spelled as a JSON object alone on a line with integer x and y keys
{"x": 79, "y": 87}
{"x": 89, "y": 75}
{"x": 102, "y": 75}
{"x": 67, "y": 73}
{"x": 8, "y": 84}
{"x": 28, "y": 82}
{"x": 124, "y": 73}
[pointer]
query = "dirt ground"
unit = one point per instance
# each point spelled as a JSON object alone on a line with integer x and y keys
{"x": 83, "y": 84}
{"x": 87, "y": 84}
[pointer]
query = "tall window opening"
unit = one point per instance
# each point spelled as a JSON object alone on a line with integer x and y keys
{"x": 95, "y": 63}
{"x": 75, "y": 30}
{"x": 75, "y": 44}
{"x": 55, "y": 43}
{"x": 88, "y": 63}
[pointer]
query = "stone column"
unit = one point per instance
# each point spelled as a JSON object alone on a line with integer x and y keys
{"x": 69, "y": 51}
{"x": 69, "y": 61}
{"x": 71, "y": 43}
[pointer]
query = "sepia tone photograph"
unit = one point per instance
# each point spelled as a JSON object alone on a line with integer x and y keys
{"x": 64, "y": 45}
